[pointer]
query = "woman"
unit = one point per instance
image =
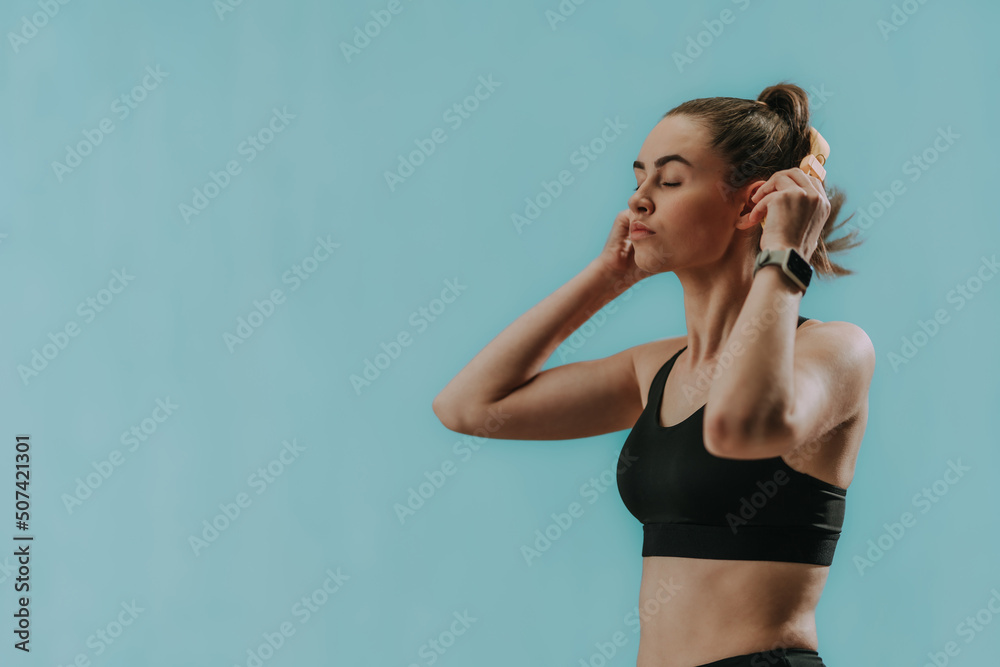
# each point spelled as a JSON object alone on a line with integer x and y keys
{"x": 742, "y": 499}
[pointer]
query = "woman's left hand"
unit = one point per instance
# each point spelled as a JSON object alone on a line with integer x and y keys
{"x": 796, "y": 207}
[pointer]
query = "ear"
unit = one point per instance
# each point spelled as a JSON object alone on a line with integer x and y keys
{"x": 745, "y": 195}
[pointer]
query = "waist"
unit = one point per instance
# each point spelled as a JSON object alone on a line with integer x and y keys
{"x": 692, "y": 611}
{"x": 814, "y": 546}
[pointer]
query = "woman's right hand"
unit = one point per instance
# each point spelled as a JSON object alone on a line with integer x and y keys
{"x": 618, "y": 255}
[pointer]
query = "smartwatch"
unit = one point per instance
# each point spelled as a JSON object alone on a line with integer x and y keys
{"x": 791, "y": 262}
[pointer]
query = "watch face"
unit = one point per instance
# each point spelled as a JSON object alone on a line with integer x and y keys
{"x": 799, "y": 267}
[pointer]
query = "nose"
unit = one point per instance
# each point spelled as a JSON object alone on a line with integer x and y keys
{"x": 639, "y": 202}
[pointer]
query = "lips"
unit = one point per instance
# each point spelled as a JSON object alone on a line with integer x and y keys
{"x": 639, "y": 229}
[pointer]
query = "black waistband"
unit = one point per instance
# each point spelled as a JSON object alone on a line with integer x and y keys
{"x": 773, "y": 543}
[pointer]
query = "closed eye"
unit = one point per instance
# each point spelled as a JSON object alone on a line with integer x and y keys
{"x": 672, "y": 185}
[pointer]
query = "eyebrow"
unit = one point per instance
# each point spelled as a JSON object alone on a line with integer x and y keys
{"x": 662, "y": 161}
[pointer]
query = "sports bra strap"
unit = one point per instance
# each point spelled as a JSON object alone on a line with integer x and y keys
{"x": 660, "y": 379}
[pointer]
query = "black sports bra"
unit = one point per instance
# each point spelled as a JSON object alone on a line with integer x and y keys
{"x": 697, "y": 505}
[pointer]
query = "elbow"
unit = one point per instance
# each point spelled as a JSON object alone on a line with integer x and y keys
{"x": 745, "y": 437}
{"x": 484, "y": 421}
{"x": 446, "y": 414}
{"x": 720, "y": 435}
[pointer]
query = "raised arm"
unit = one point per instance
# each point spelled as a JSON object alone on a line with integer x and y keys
{"x": 502, "y": 391}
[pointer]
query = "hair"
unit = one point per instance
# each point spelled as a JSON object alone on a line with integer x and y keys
{"x": 758, "y": 140}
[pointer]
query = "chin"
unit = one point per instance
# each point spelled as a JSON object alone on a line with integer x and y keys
{"x": 652, "y": 258}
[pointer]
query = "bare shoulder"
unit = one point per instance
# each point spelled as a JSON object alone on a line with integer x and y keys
{"x": 839, "y": 341}
{"x": 841, "y": 355}
{"x": 649, "y": 357}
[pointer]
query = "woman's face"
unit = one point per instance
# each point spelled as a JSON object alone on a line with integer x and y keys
{"x": 682, "y": 199}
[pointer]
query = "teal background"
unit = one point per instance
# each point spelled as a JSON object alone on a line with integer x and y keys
{"x": 878, "y": 99}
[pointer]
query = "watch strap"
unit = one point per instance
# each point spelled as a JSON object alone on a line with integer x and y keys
{"x": 792, "y": 264}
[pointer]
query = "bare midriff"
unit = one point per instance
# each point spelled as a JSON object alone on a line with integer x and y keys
{"x": 694, "y": 611}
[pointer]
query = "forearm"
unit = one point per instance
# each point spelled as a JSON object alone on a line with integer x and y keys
{"x": 750, "y": 397}
{"x": 518, "y": 352}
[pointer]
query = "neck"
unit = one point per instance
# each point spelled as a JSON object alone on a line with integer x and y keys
{"x": 713, "y": 298}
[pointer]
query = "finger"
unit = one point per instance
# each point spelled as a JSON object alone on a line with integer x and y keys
{"x": 786, "y": 183}
{"x": 786, "y": 179}
{"x": 759, "y": 211}
{"x": 807, "y": 182}
{"x": 780, "y": 180}
{"x": 814, "y": 188}
{"x": 766, "y": 188}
